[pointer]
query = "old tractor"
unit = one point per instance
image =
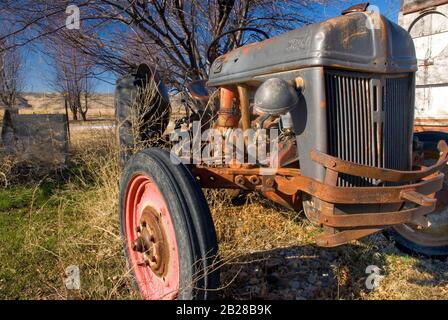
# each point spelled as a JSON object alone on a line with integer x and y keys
{"x": 340, "y": 95}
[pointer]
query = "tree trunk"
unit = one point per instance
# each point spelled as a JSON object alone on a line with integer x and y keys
{"x": 83, "y": 115}
{"x": 82, "y": 112}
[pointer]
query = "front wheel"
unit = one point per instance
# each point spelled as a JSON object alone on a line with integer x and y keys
{"x": 432, "y": 241}
{"x": 167, "y": 230}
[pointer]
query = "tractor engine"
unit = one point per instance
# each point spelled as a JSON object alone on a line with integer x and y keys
{"x": 346, "y": 84}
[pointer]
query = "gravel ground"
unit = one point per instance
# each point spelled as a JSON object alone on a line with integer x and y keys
{"x": 290, "y": 274}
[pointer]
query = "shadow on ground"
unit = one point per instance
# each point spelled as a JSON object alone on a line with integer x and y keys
{"x": 298, "y": 272}
{"x": 309, "y": 272}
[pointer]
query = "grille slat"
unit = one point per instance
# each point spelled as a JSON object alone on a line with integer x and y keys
{"x": 369, "y": 121}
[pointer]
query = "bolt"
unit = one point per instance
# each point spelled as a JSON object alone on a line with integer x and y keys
{"x": 270, "y": 182}
{"x": 153, "y": 263}
{"x": 254, "y": 180}
{"x": 240, "y": 180}
{"x": 300, "y": 83}
{"x": 138, "y": 245}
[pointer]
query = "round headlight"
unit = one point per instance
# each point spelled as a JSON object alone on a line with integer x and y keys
{"x": 275, "y": 97}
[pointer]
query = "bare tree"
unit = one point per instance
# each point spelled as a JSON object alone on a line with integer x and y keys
{"x": 11, "y": 84}
{"x": 172, "y": 35}
{"x": 11, "y": 80}
{"x": 73, "y": 77}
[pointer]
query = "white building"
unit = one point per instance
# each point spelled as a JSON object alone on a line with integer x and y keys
{"x": 427, "y": 22}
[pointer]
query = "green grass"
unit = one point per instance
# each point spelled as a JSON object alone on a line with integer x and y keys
{"x": 22, "y": 261}
{"x": 43, "y": 230}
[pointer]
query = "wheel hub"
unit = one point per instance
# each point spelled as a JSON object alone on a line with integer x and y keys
{"x": 152, "y": 242}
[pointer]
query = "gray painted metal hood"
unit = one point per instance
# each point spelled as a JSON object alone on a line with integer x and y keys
{"x": 358, "y": 41}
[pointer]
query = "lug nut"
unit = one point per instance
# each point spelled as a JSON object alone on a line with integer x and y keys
{"x": 138, "y": 245}
{"x": 240, "y": 180}
{"x": 254, "y": 180}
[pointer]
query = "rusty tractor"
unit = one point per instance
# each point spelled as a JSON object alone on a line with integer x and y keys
{"x": 336, "y": 99}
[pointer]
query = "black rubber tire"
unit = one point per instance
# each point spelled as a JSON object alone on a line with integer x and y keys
{"x": 415, "y": 249}
{"x": 430, "y": 140}
{"x": 157, "y": 113}
{"x": 193, "y": 224}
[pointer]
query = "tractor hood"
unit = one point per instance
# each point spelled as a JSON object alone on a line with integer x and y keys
{"x": 361, "y": 41}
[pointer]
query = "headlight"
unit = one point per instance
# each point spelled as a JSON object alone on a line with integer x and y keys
{"x": 276, "y": 97}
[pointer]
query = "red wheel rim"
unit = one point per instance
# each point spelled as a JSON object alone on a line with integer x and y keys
{"x": 144, "y": 202}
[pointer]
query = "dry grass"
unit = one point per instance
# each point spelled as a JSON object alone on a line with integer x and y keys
{"x": 76, "y": 223}
{"x": 97, "y": 156}
{"x": 7, "y": 164}
{"x": 101, "y": 105}
{"x": 71, "y": 218}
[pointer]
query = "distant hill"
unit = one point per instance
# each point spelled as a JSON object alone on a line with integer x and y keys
{"x": 101, "y": 105}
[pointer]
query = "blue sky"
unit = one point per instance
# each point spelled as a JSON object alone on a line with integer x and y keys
{"x": 38, "y": 72}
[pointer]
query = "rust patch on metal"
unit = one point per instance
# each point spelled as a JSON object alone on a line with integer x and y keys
{"x": 412, "y": 7}
{"x": 359, "y": 195}
{"x": 380, "y": 173}
{"x": 323, "y": 104}
{"x": 228, "y": 112}
{"x": 360, "y": 7}
{"x": 152, "y": 242}
{"x": 337, "y": 239}
{"x": 374, "y": 219}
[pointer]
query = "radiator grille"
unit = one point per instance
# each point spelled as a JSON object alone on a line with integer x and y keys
{"x": 369, "y": 121}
